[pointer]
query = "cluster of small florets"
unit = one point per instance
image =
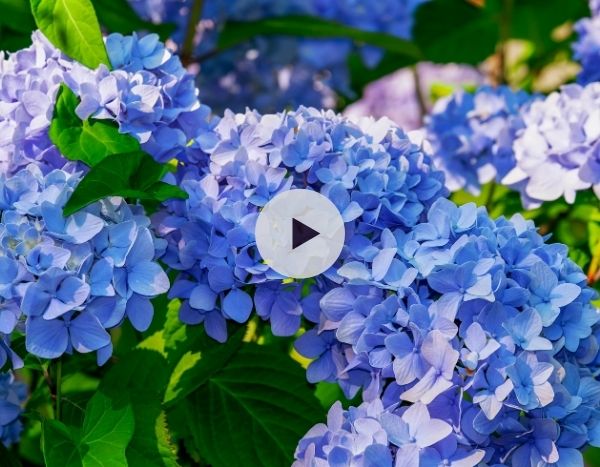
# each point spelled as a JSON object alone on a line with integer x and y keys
{"x": 557, "y": 153}
{"x": 490, "y": 328}
{"x": 472, "y": 134}
{"x": 369, "y": 435}
{"x": 71, "y": 279}
{"x": 372, "y": 173}
{"x": 270, "y": 74}
{"x": 148, "y": 94}
{"x": 12, "y": 396}
{"x": 586, "y": 49}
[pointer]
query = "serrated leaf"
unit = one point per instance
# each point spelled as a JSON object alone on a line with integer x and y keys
{"x": 88, "y": 141}
{"x": 237, "y": 32}
{"x": 263, "y": 391}
{"x": 132, "y": 175}
{"x": 143, "y": 374}
{"x": 119, "y": 16}
{"x": 196, "y": 367}
{"x": 101, "y": 442}
{"x": 72, "y": 26}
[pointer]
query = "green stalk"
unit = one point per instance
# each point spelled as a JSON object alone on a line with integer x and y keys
{"x": 58, "y": 386}
{"x": 187, "y": 48}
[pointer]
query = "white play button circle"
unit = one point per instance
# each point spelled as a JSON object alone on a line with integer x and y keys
{"x": 300, "y": 233}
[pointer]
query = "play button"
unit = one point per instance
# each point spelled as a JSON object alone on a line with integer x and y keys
{"x": 300, "y": 233}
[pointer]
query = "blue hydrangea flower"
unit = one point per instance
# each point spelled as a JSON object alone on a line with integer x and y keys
{"x": 586, "y": 49}
{"x": 557, "y": 152}
{"x": 494, "y": 334}
{"x": 373, "y": 174}
{"x": 67, "y": 281}
{"x": 148, "y": 94}
{"x": 12, "y": 396}
{"x": 370, "y": 435}
{"x": 471, "y": 135}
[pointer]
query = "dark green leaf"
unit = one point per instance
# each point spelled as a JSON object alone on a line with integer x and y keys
{"x": 87, "y": 141}
{"x": 8, "y": 458}
{"x": 118, "y": 16}
{"x": 262, "y": 391}
{"x": 11, "y": 40}
{"x": 236, "y": 33}
{"x": 196, "y": 367}
{"x": 16, "y": 14}
{"x": 101, "y": 442}
{"x": 535, "y": 20}
{"x": 455, "y": 31}
{"x": 131, "y": 175}
{"x": 72, "y": 26}
{"x": 143, "y": 374}
{"x": 60, "y": 445}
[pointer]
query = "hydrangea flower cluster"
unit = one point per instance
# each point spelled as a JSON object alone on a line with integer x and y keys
{"x": 557, "y": 153}
{"x": 368, "y": 435}
{"x": 492, "y": 332}
{"x": 372, "y": 173}
{"x": 586, "y": 48}
{"x": 149, "y": 95}
{"x": 471, "y": 135}
{"x": 396, "y": 96}
{"x": 67, "y": 281}
{"x": 270, "y": 74}
{"x": 12, "y": 395}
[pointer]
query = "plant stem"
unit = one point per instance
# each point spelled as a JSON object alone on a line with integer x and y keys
{"x": 187, "y": 49}
{"x": 505, "y": 23}
{"x": 489, "y": 199}
{"x": 592, "y": 275}
{"x": 58, "y": 387}
{"x": 421, "y": 100}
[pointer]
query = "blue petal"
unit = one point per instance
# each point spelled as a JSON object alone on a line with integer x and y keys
{"x": 310, "y": 344}
{"x": 142, "y": 249}
{"x": 237, "y": 305}
{"x": 140, "y": 312}
{"x": 46, "y": 338}
{"x": 87, "y": 334}
{"x": 203, "y": 298}
{"x": 148, "y": 278}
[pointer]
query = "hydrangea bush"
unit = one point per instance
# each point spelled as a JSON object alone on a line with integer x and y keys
{"x": 139, "y": 324}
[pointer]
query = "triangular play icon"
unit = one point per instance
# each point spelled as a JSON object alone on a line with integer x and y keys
{"x": 301, "y": 233}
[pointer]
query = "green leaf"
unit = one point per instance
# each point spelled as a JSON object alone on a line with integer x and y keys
{"x": 119, "y": 16}
{"x": 196, "y": 367}
{"x": 235, "y": 33}
{"x": 132, "y": 175}
{"x": 262, "y": 391}
{"x": 7, "y": 457}
{"x": 72, "y": 26}
{"x": 143, "y": 374}
{"x": 16, "y": 24}
{"x": 16, "y": 14}
{"x": 455, "y": 31}
{"x": 101, "y": 442}
{"x": 60, "y": 445}
{"x": 87, "y": 141}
